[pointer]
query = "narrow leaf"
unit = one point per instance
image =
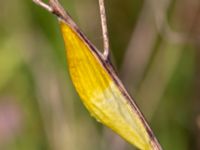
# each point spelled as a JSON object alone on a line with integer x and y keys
{"x": 100, "y": 89}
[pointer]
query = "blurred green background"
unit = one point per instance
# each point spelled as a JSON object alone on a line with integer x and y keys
{"x": 155, "y": 48}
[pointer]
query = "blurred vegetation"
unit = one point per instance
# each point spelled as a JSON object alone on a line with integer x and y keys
{"x": 155, "y": 48}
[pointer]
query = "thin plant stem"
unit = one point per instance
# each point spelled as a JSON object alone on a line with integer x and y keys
{"x": 55, "y": 7}
{"x": 104, "y": 27}
{"x": 43, "y": 5}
